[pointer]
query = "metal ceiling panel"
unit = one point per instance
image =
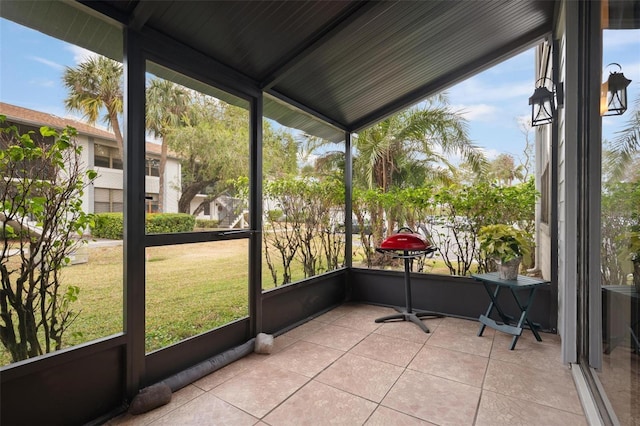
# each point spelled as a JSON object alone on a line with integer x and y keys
{"x": 351, "y": 63}
{"x": 249, "y": 36}
{"x": 402, "y": 46}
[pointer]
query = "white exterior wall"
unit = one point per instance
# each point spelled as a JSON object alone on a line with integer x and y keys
{"x": 108, "y": 178}
{"x": 113, "y": 179}
{"x": 86, "y": 161}
{"x": 172, "y": 191}
{"x": 152, "y": 184}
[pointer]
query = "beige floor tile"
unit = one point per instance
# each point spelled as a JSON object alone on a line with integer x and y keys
{"x": 220, "y": 376}
{"x": 304, "y": 330}
{"x": 462, "y": 340}
{"x": 408, "y": 331}
{"x": 281, "y": 342}
{"x": 334, "y": 314}
{"x": 361, "y": 376}
{"x": 387, "y": 349}
{"x": 500, "y": 410}
{"x": 304, "y": 358}
{"x": 335, "y": 337}
{"x": 384, "y": 416}
{"x": 452, "y": 365}
{"x": 178, "y": 399}
{"x": 258, "y": 391}
{"x": 320, "y": 404}
{"x": 364, "y": 321}
{"x": 205, "y": 410}
{"x": 528, "y": 351}
{"x": 552, "y": 388}
{"x": 371, "y": 309}
{"x": 464, "y": 325}
{"x": 434, "y": 399}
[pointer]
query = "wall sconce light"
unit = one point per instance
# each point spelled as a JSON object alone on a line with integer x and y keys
{"x": 543, "y": 105}
{"x": 613, "y": 93}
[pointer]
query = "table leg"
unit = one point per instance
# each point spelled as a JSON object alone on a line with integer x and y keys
{"x": 493, "y": 295}
{"x": 524, "y": 309}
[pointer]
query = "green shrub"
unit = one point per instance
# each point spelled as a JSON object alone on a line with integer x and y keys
{"x": 108, "y": 225}
{"x": 274, "y": 215}
{"x": 207, "y": 223}
{"x": 166, "y": 223}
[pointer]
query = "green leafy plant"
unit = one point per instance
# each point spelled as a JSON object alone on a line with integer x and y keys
{"x": 503, "y": 242}
{"x": 41, "y": 224}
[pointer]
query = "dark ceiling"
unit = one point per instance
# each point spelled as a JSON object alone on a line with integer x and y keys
{"x": 351, "y": 63}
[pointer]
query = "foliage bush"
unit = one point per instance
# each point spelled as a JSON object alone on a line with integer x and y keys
{"x": 110, "y": 225}
{"x": 300, "y": 229}
{"x": 451, "y": 215}
{"x": 40, "y": 193}
{"x": 620, "y": 223}
{"x": 207, "y": 223}
{"x": 166, "y": 223}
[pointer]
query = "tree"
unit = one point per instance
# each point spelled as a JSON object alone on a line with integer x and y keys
{"x": 625, "y": 147}
{"x": 504, "y": 171}
{"x": 415, "y": 140}
{"x": 43, "y": 181}
{"x": 409, "y": 148}
{"x": 96, "y": 84}
{"x": 167, "y": 103}
{"x": 528, "y": 162}
{"x": 212, "y": 143}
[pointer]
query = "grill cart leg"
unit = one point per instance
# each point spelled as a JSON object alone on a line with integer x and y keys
{"x": 408, "y": 314}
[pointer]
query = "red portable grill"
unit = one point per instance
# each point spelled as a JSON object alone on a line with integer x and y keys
{"x": 404, "y": 241}
{"x": 407, "y": 245}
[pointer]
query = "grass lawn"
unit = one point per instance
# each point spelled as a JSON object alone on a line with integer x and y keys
{"x": 190, "y": 288}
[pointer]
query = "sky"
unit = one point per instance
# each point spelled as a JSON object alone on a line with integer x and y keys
{"x": 495, "y": 102}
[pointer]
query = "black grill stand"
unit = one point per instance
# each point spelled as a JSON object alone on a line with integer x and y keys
{"x": 408, "y": 314}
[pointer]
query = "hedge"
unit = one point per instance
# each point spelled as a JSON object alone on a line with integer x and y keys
{"x": 206, "y": 223}
{"x": 110, "y": 225}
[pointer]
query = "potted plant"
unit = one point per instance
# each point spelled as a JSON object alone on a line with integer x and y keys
{"x": 506, "y": 245}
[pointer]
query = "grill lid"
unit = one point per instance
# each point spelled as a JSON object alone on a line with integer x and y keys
{"x": 405, "y": 241}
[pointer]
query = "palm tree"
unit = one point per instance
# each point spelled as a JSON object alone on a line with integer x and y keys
{"x": 413, "y": 142}
{"x": 625, "y": 147}
{"x": 410, "y": 148}
{"x": 167, "y": 102}
{"x": 94, "y": 85}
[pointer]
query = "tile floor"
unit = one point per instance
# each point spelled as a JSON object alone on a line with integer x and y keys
{"x": 342, "y": 368}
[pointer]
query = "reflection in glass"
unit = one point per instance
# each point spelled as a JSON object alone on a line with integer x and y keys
{"x": 620, "y": 251}
{"x": 194, "y": 288}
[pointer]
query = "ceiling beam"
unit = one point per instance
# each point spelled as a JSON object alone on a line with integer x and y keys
{"x": 455, "y": 76}
{"x": 143, "y": 11}
{"x": 306, "y": 109}
{"x": 291, "y": 61}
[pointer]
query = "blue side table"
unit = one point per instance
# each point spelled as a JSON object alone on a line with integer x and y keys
{"x": 528, "y": 285}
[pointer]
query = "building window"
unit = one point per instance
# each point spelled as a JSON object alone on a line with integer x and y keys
{"x": 108, "y": 200}
{"x": 151, "y": 203}
{"x": 104, "y": 156}
{"x": 152, "y": 167}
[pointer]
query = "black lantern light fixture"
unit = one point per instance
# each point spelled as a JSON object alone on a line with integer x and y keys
{"x": 613, "y": 96}
{"x": 542, "y": 103}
